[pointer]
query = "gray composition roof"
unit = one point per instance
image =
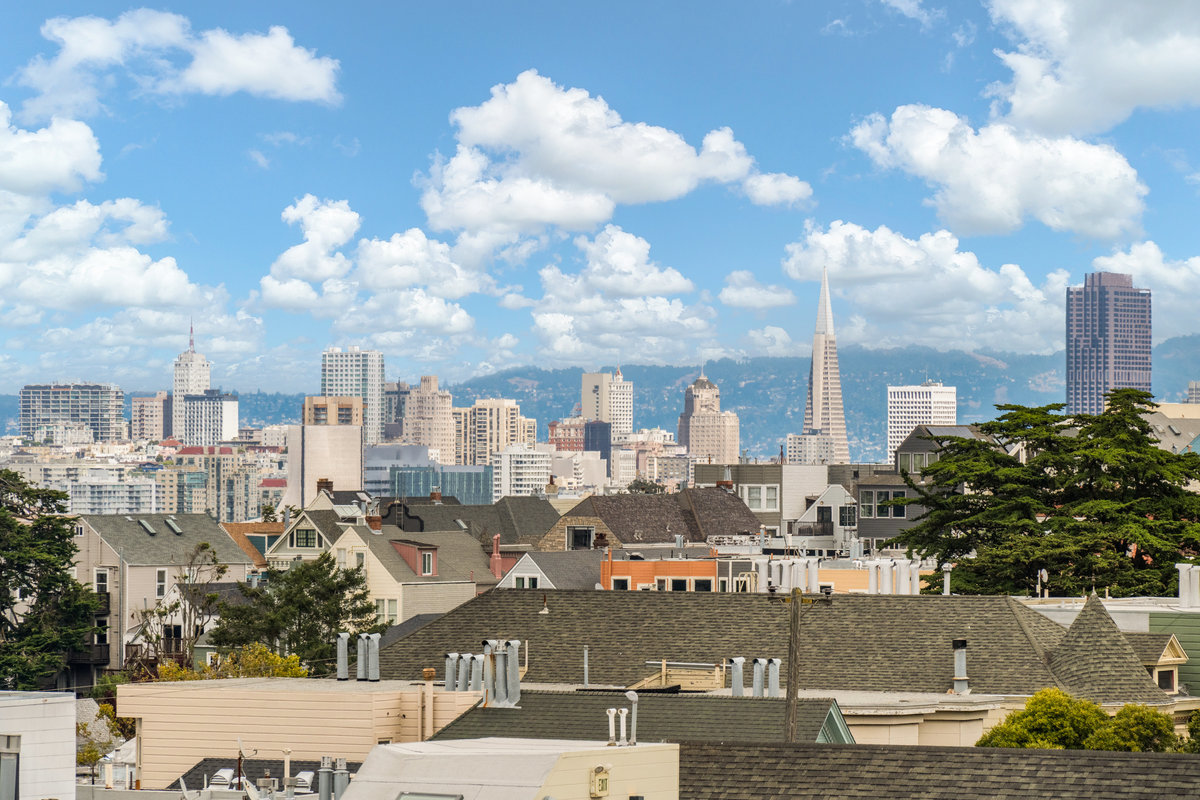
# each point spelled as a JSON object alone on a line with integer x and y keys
{"x": 658, "y": 518}
{"x": 897, "y": 772}
{"x": 1148, "y": 646}
{"x": 137, "y": 546}
{"x": 569, "y": 569}
{"x": 661, "y": 718}
{"x": 459, "y": 555}
{"x": 516, "y": 519}
{"x": 859, "y": 642}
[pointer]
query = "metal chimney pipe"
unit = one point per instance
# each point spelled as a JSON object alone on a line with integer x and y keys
{"x": 773, "y": 677}
{"x": 343, "y": 657}
{"x": 736, "y": 679}
{"x": 814, "y": 575}
{"x": 373, "y": 657}
{"x": 464, "y": 672}
{"x": 759, "y": 666}
{"x": 360, "y": 664}
{"x": 915, "y": 575}
{"x": 585, "y": 666}
{"x": 946, "y": 568}
{"x": 764, "y": 577}
{"x": 1195, "y": 584}
{"x": 612, "y": 726}
{"x": 872, "y": 577}
{"x": 622, "y": 713}
{"x": 960, "y": 666}
{"x": 476, "y": 683}
{"x": 341, "y": 779}
{"x": 325, "y": 779}
{"x": 501, "y": 675}
{"x": 902, "y": 582}
{"x": 489, "y": 671}
{"x": 1185, "y": 594}
{"x": 633, "y": 698}
{"x": 451, "y": 670}
{"x": 514, "y": 671}
{"x": 887, "y": 571}
{"x": 799, "y": 573}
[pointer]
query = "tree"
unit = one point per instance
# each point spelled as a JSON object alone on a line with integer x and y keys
{"x": 1053, "y": 719}
{"x": 300, "y": 612}
{"x": 195, "y": 605}
{"x": 268, "y": 513}
{"x": 254, "y": 660}
{"x": 1088, "y": 498}
{"x": 44, "y": 612}
{"x": 644, "y": 486}
{"x": 99, "y": 736}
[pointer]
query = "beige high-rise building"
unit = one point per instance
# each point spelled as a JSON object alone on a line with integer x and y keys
{"x": 429, "y": 420}
{"x": 823, "y": 439}
{"x": 322, "y": 410}
{"x": 704, "y": 429}
{"x": 355, "y": 372}
{"x": 193, "y": 376}
{"x": 487, "y": 427}
{"x": 148, "y": 417}
{"x": 608, "y": 398}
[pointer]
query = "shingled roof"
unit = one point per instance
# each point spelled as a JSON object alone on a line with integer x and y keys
{"x": 459, "y": 556}
{"x": 569, "y": 569}
{"x": 661, "y": 718}
{"x": 858, "y": 642}
{"x": 516, "y": 519}
{"x": 910, "y": 772}
{"x": 174, "y": 537}
{"x": 650, "y": 518}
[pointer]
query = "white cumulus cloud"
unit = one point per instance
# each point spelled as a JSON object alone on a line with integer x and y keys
{"x": 326, "y": 225}
{"x": 992, "y": 179}
{"x": 742, "y": 290}
{"x": 1174, "y": 285}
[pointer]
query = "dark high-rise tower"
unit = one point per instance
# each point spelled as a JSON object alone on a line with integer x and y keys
{"x": 1108, "y": 340}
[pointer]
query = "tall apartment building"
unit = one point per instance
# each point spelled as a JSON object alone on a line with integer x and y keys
{"x": 704, "y": 429}
{"x": 149, "y": 417}
{"x": 357, "y": 373}
{"x": 1193, "y": 392}
{"x": 1108, "y": 339}
{"x": 487, "y": 427}
{"x": 567, "y": 434}
{"x": 99, "y": 493}
{"x": 823, "y": 439}
{"x": 520, "y": 469}
{"x": 207, "y": 418}
{"x": 332, "y": 411}
{"x": 931, "y": 403}
{"x": 608, "y": 398}
{"x": 97, "y": 407}
{"x": 429, "y": 420}
{"x": 193, "y": 376}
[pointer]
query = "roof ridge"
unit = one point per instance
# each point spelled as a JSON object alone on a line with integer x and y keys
{"x": 1018, "y": 609}
{"x": 691, "y": 507}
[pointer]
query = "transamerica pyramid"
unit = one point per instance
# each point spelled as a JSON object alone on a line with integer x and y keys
{"x": 823, "y": 416}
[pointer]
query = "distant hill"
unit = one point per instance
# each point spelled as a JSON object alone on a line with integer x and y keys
{"x": 769, "y": 393}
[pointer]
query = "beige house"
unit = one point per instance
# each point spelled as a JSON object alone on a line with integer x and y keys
{"x": 312, "y": 532}
{"x": 182, "y": 723}
{"x": 132, "y": 562}
{"x": 415, "y": 573}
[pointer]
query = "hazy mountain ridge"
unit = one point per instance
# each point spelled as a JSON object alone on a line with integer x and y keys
{"x": 768, "y": 394}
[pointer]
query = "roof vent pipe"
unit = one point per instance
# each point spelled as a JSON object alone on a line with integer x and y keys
{"x": 887, "y": 571}
{"x": 1194, "y": 586}
{"x": 872, "y": 577}
{"x": 343, "y": 657}
{"x": 341, "y": 779}
{"x": 679, "y": 541}
{"x": 623, "y": 713}
{"x": 915, "y": 575}
{"x": 476, "y": 684}
{"x": 960, "y": 666}
{"x": 736, "y": 679}
{"x": 501, "y": 658}
{"x": 946, "y": 569}
{"x": 798, "y": 573}
{"x": 451, "y": 670}
{"x": 489, "y": 671}
{"x": 325, "y": 779}
{"x": 633, "y": 699}
{"x": 764, "y": 578}
{"x": 612, "y": 727}
{"x": 814, "y": 575}
{"x": 363, "y": 656}
{"x": 464, "y": 672}
{"x": 773, "y": 677}
{"x": 514, "y": 671}
{"x": 373, "y": 657}
{"x": 759, "y": 665}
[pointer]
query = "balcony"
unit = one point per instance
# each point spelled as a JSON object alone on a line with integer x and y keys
{"x": 166, "y": 650}
{"x": 96, "y": 654}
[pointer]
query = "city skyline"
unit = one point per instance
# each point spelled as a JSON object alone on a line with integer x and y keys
{"x": 639, "y": 194}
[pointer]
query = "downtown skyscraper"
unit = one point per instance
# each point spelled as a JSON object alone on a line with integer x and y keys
{"x": 823, "y": 440}
{"x": 357, "y": 373}
{"x": 1108, "y": 339}
{"x": 192, "y": 376}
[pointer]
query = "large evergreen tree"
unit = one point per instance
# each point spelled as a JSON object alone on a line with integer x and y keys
{"x": 1090, "y": 499}
{"x": 300, "y": 612}
{"x": 44, "y": 612}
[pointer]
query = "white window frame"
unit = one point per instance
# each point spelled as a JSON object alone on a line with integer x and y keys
{"x": 427, "y": 562}
{"x": 160, "y": 583}
{"x": 100, "y": 576}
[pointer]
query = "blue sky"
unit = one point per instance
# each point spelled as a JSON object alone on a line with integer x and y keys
{"x": 472, "y": 186}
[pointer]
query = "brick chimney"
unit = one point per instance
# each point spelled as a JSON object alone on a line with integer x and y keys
{"x": 324, "y": 485}
{"x": 375, "y": 523}
{"x": 497, "y": 564}
{"x": 436, "y": 496}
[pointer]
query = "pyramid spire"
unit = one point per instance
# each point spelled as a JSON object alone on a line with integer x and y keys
{"x": 824, "y": 307}
{"x": 191, "y": 336}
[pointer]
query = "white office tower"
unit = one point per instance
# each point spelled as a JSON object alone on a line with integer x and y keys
{"x": 429, "y": 420}
{"x": 608, "y": 398}
{"x": 193, "y": 375}
{"x": 357, "y": 373}
{"x": 520, "y": 470}
{"x": 208, "y": 418}
{"x": 910, "y": 406}
{"x": 823, "y": 440}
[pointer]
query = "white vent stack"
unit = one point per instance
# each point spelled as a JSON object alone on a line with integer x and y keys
{"x": 888, "y": 573}
{"x": 633, "y": 700}
{"x": 464, "y": 672}
{"x": 946, "y": 570}
{"x": 363, "y": 657}
{"x": 915, "y": 575}
{"x": 814, "y": 579}
{"x": 773, "y": 677}
{"x": 343, "y": 657}
{"x": 759, "y": 667}
{"x": 373, "y": 657}
{"x": 902, "y": 580}
{"x": 476, "y": 673}
{"x": 872, "y": 577}
{"x": 612, "y": 726}
{"x": 451, "y": 670}
{"x": 798, "y": 573}
{"x": 736, "y": 679}
{"x": 1189, "y": 585}
{"x": 514, "y": 671}
{"x": 622, "y": 713}
{"x": 764, "y": 578}
{"x": 960, "y": 666}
